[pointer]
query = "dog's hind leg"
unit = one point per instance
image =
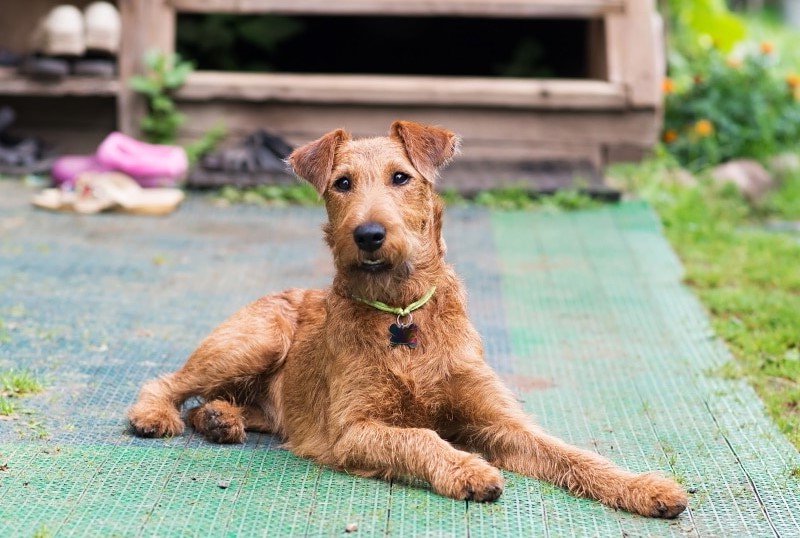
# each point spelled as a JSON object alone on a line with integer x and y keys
{"x": 252, "y": 344}
{"x": 493, "y": 423}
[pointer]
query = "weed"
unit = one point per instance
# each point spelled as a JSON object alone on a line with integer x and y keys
{"x": 276, "y": 195}
{"x": 13, "y": 384}
{"x": 452, "y": 197}
{"x": 19, "y": 382}
{"x": 569, "y": 200}
{"x": 7, "y": 407}
{"x": 42, "y": 532}
{"x": 506, "y": 198}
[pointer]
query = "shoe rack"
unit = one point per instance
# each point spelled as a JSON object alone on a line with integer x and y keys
{"x": 16, "y": 29}
{"x": 614, "y": 113}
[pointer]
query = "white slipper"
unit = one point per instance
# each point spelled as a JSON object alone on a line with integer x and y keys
{"x": 103, "y": 27}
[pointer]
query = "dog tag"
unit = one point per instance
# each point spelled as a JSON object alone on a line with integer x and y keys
{"x": 403, "y": 335}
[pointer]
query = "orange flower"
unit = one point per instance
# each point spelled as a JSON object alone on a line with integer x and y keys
{"x": 704, "y": 128}
{"x": 668, "y": 86}
{"x": 793, "y": 80}
{"x": 767, "y": 47}
{"x": 670, "y": 136}
{"x": 733, "y": 62}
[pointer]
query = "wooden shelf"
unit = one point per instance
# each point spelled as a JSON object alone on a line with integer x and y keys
{"x": 477, "y": 8}
{"x": 12, "y": 83}
{"x": 405, "y": 90}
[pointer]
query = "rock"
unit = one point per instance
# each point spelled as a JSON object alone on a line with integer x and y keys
{"x": 752, "y": 179}
{"x": 785, "y": 164}
{"x": 680, "y": 177}
{"x": 351, "y": 527}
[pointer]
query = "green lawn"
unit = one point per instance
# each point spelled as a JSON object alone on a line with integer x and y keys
{"x": 744, "y": 264}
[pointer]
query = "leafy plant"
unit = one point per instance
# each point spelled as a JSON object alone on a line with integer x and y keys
{"x": 166, "y": 73}
{"x": 698, "y": 22}
{"x": 730, "y": 107}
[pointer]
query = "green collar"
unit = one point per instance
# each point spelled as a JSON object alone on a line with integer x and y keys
{"x": 397, "y": 310}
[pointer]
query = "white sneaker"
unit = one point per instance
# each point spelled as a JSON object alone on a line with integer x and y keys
{"x": 61, "y": 32}
{"x": 103, "y": 27}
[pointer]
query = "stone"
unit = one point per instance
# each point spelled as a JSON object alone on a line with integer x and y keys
{"x": 749, "y": 176}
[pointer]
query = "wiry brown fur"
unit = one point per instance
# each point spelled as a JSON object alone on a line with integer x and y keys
{"x": 315, "y": 366}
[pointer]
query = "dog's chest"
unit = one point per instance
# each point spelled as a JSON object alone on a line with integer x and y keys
{"x": 415, "y": 393}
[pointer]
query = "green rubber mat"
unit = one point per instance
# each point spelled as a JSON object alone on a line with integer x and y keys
{"x": 583, "y": 314}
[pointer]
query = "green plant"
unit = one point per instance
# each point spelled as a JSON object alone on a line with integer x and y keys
{"x": 698, "y": 22}
{"x": 729, "y": 108}
{"x": 166, "y": 73}
{"x": 506, "y": 198}
{"x": 13, "y": 384}
{"x": 7, "y": 407}
{"x": 19, "y": 382}
{"x": 198, "y": 148}
{"x": 275, "y": 195}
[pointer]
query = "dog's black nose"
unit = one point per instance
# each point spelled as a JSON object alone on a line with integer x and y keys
{"x": 369, "y": 236}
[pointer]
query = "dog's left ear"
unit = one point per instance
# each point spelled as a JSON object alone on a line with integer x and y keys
{"x": 314, "y": 161}
{"x": 429, "y": 148}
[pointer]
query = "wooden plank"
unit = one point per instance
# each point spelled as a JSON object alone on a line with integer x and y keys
{"x": 482, "y": 8}
{"x": 633, "y": 52}
{"x": 553, "y": 94}
{"x": 146, "y": 25}
{"x": 12, "y": 83}
{"x": 300, "y": 123}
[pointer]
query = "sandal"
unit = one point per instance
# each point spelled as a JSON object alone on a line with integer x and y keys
{"x": 110, "y": 191}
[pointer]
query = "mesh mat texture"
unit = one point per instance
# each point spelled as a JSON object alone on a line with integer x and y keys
{"x": 583, "y": 314}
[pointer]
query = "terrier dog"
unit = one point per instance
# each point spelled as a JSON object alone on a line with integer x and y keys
{"x": 382, "y": 374}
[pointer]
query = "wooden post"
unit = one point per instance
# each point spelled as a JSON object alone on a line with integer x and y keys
{"x": 146, "y": 25}
{"x": 632, "y": 48}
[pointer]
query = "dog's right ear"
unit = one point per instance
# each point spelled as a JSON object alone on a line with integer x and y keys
{"x": 314, "y": 161}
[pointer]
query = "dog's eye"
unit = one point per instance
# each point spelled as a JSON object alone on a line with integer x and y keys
{"x": 399, "y": 178}
{"x": 343, "y": 184}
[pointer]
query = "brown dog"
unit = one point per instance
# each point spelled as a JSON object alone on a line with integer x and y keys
{"x": 324, "y": 370}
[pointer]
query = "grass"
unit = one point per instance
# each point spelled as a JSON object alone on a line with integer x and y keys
{"x": 506, "y": 198}
{"x": 13, "y": 384}
{"x": 746, "y": 274}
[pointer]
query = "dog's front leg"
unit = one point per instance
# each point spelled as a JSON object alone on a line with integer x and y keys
{"x": 251, "y": 343}
{"x": 375, "y": 448}
{"x": 493, "y": 423}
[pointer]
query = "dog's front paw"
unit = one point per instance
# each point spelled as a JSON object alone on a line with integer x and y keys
{"x": 219, "y": 422}
{"x": 152, "y": 421}
{"x": 473, "y": 480}
{"x": 654, "y": 495}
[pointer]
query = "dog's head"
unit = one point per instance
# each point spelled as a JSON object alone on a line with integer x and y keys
{"x": 384, "y": 217}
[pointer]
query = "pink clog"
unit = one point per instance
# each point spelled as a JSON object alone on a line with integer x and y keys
{"x": 152, "y": 165}
{"x": 68, "y": 167}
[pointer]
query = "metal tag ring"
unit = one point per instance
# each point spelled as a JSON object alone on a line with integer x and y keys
{"x": 400, "y": 323}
